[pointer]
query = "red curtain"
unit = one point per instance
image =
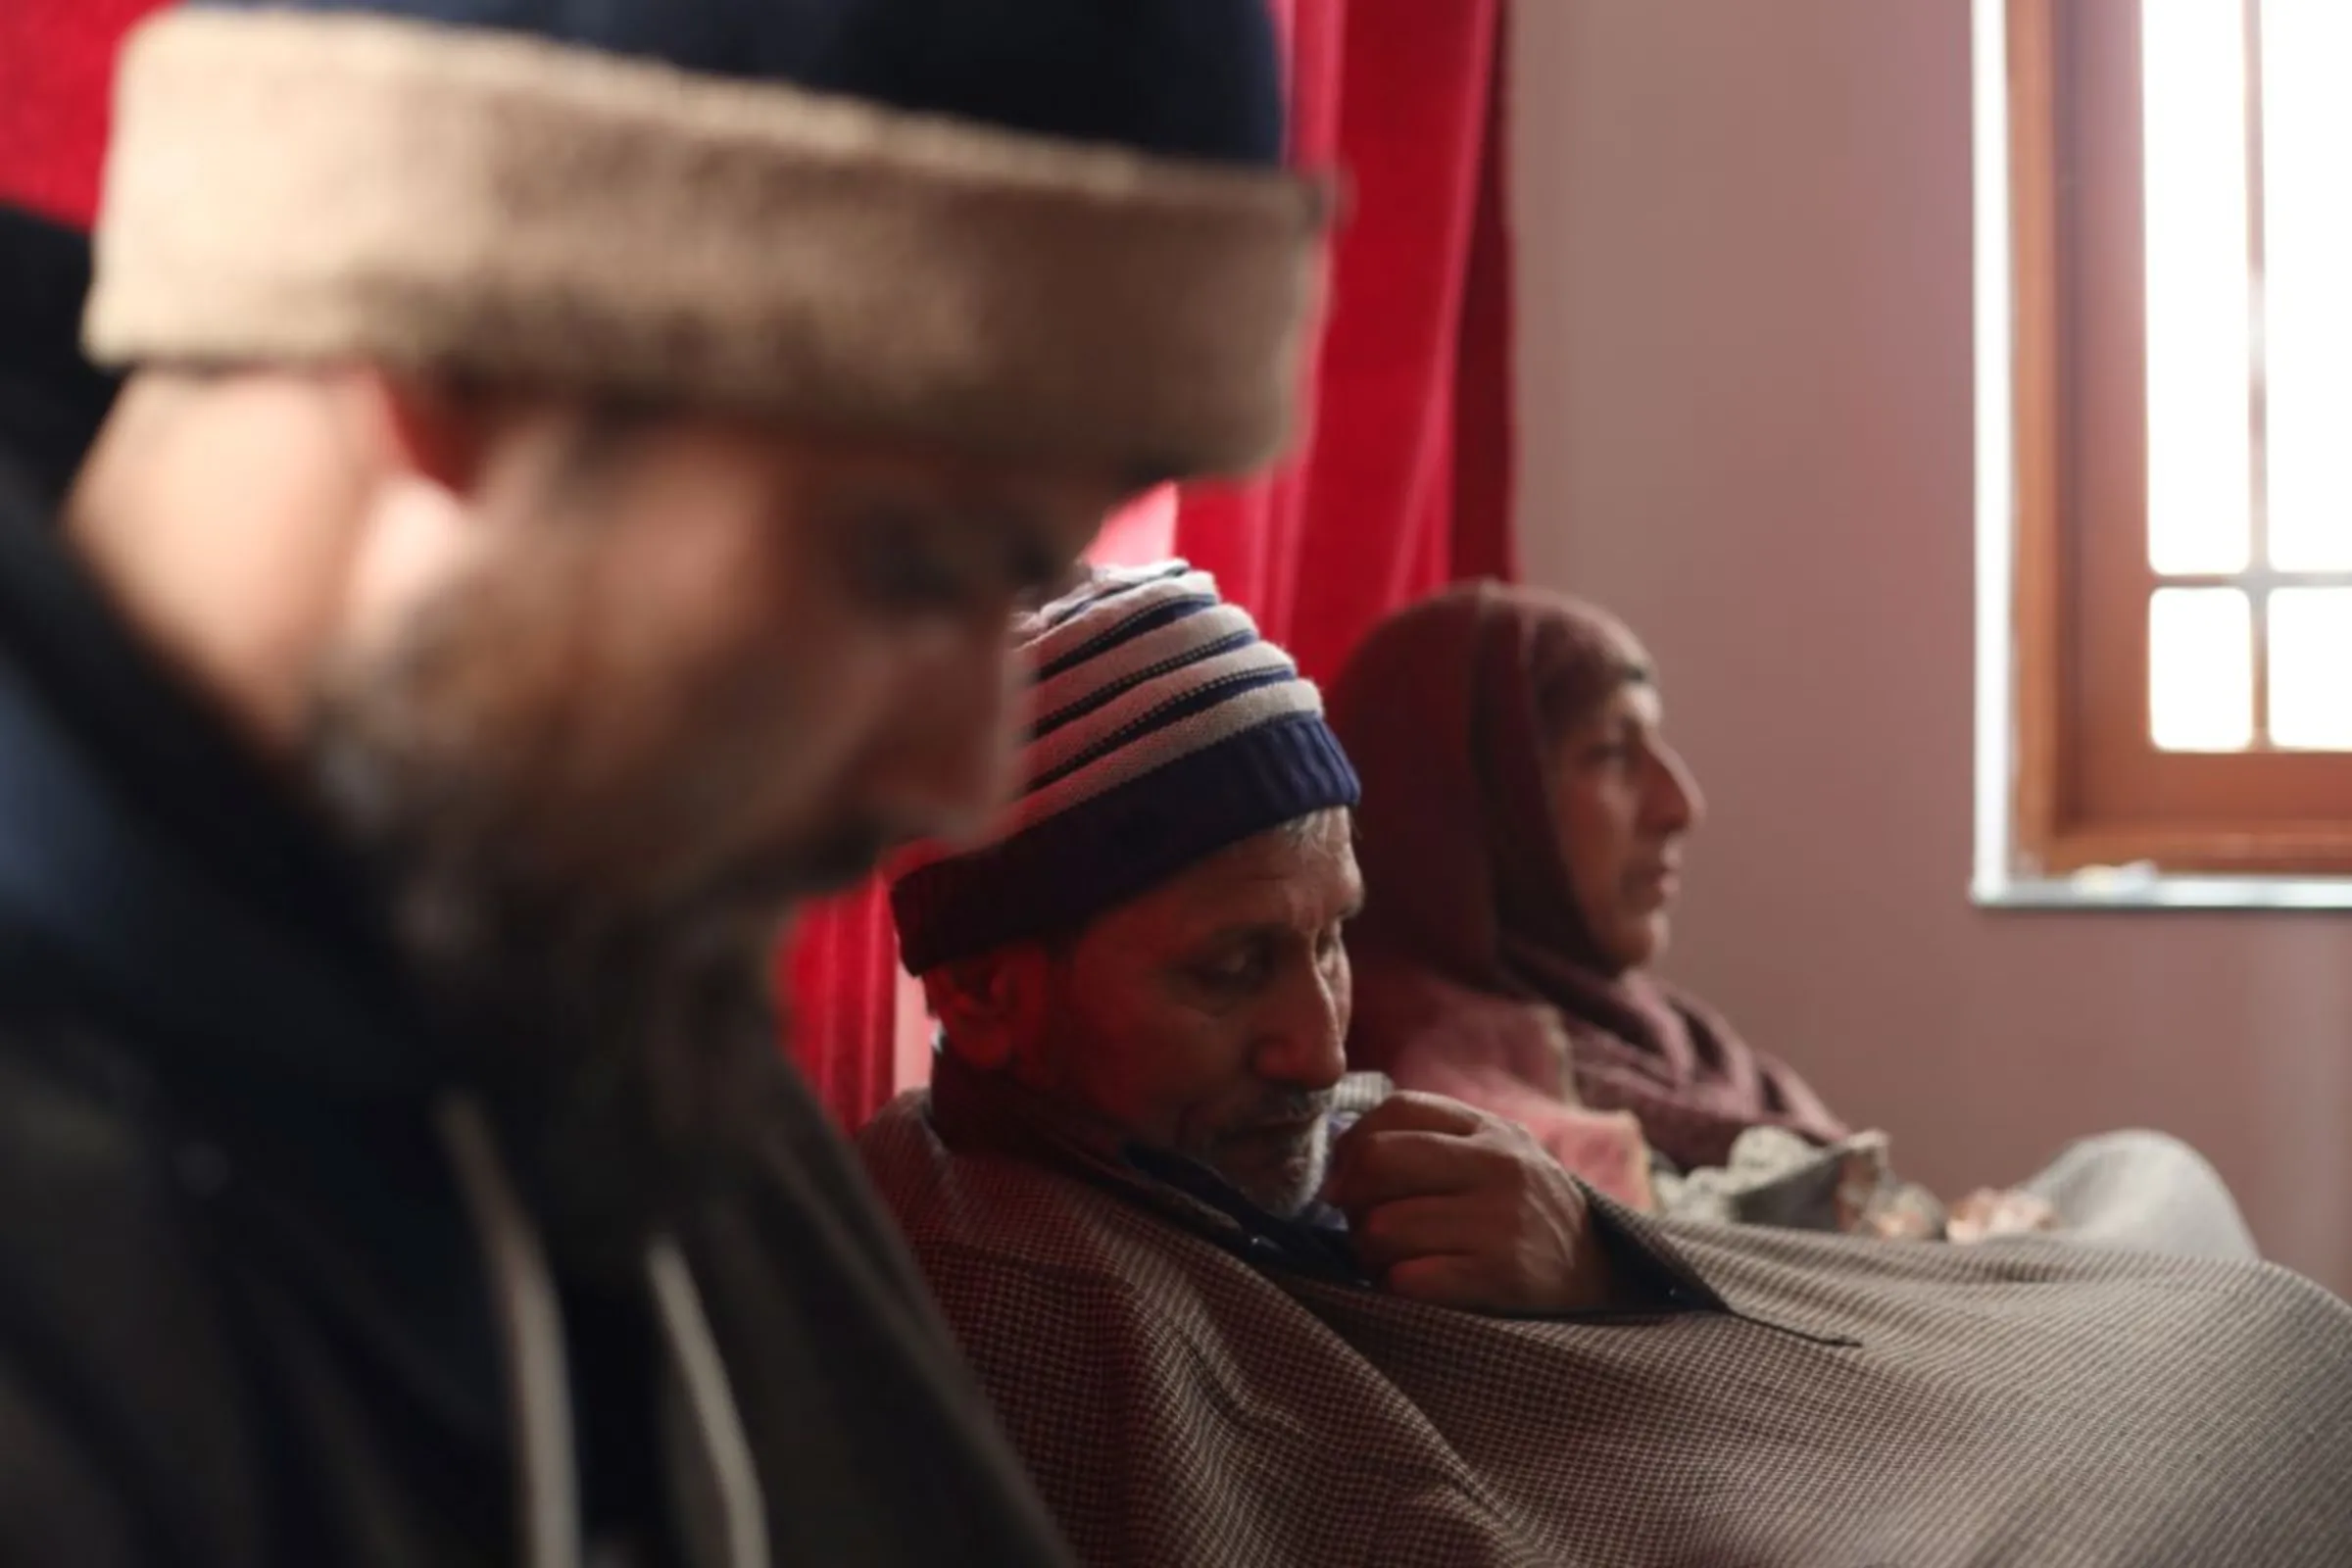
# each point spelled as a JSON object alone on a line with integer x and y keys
{"x": 1403, "y": 484}
{"x": 57, "y": 63}
{"x": 840, "y": 975}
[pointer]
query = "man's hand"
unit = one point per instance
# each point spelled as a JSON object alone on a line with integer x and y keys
{"x": 1455, "y": 1208}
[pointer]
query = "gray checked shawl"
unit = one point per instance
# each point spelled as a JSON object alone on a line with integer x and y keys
{"x": 1862, "y": 1403}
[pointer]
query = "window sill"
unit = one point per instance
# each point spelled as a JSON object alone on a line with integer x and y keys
{"x": 2129, "y": 888}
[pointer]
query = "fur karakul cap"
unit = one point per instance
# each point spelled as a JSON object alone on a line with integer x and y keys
{"x": 1041, "y": 228}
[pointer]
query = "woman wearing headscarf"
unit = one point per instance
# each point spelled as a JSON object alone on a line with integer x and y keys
{"x": 1522, "y": 837}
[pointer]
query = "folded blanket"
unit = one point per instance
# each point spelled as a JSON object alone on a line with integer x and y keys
{"x": 1776, "y": 1178}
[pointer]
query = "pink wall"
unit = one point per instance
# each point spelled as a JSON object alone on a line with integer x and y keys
{"x": 1745, "y": 357}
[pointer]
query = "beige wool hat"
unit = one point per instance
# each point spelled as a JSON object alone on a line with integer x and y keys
{"x": 384, "y": 183}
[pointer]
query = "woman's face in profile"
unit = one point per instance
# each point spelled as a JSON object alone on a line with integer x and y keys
{"x": 1623, "y": 803}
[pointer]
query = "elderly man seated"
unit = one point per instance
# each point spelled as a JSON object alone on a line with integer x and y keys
{"x": 1235, "y": 1307}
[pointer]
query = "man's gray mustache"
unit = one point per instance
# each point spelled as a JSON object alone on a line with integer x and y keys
{"x": 1289, "y": 1109}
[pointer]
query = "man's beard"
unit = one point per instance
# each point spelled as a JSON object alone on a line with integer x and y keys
{"x": 1280, "y": 1174}
{"x": 613, "y": 1017}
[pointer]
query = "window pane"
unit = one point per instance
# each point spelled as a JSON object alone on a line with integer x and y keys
{"x": 2200, "y": 464}
{"x": 2307, "y": 281}
{"x": 2200, "y": 670}
{"x": 2311, "y": 668}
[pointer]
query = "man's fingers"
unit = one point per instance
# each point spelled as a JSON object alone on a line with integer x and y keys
{"x": 1409, "y": 1111}
{"x": 1401, "y": 1112}
{"x": 1454, "y": 1207}
{"x": 1380, "y": 1167}
{"x": 1411, "y": 1227}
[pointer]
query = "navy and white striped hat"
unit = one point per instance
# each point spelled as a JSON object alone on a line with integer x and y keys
{"x": 1163, "y": 730}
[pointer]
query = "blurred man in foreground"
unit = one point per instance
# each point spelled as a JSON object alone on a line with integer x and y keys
{"x": 582, "y": 462}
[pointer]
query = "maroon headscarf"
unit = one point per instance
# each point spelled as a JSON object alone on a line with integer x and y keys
{"x": 1471, "y": 944}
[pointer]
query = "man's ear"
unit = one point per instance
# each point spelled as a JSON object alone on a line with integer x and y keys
{"x": 993, "y": 1007}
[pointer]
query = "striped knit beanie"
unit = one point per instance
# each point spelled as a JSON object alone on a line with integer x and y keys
{"x": 1163, "y": 729}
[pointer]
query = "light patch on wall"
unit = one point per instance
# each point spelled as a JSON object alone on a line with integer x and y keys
{"x": 1996, "y": 486}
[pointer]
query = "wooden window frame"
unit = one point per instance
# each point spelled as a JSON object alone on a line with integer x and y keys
{"x": 2089, "y": 789}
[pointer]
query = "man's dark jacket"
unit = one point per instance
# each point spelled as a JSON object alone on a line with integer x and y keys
{"x": 250, "y": 1310}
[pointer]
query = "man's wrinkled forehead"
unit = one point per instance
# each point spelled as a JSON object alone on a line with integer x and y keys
{"x": 1302, "y": 874}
